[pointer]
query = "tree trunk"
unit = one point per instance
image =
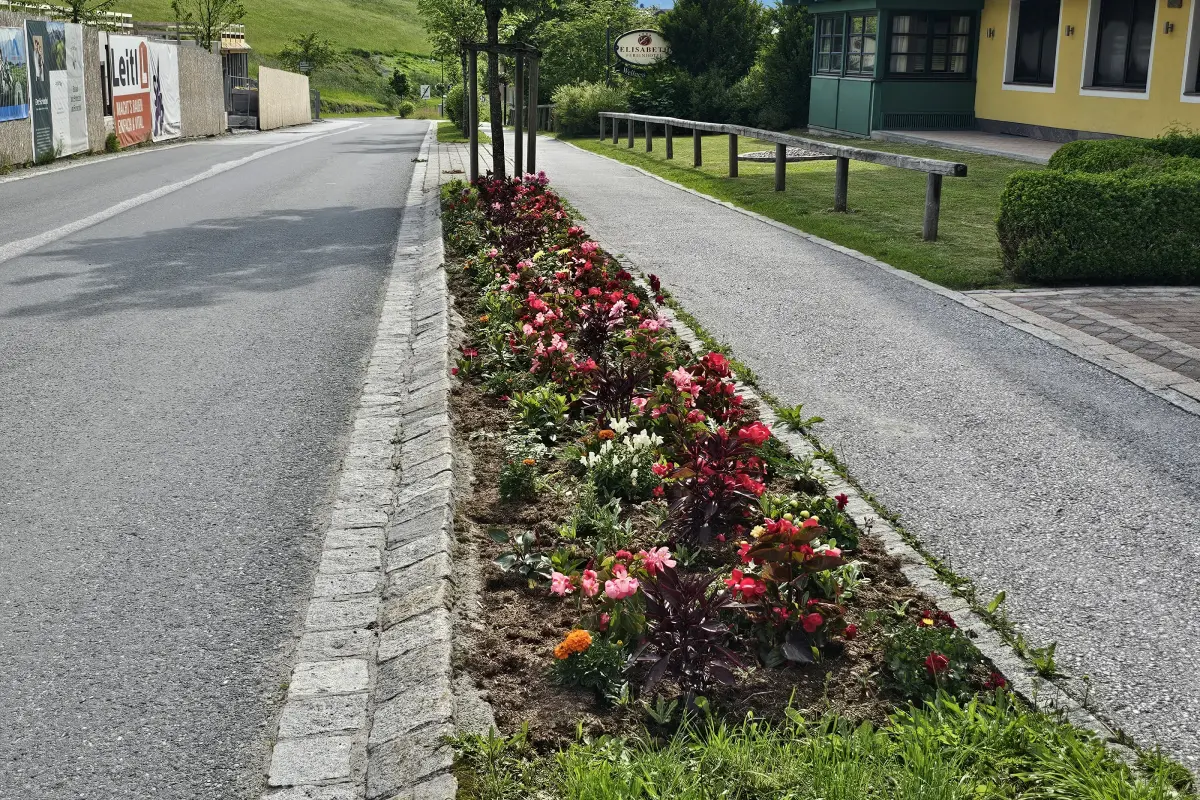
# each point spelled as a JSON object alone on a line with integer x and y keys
{"x": 493, "y": 34}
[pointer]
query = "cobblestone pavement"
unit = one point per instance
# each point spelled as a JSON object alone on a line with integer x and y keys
{"x": 1153, "y": 333}
{"x": 1025, "y": 466}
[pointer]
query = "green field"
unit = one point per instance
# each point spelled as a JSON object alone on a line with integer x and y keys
{"x": 383, "y": 26}
{"x": 886, "y": 205}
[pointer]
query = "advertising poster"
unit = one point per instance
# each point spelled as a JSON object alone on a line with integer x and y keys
{"x": 164, "y": 91}
{"x": 132, "y": 104}
{"x": 14, "y": 78}
{"x": 40, "y": 52}
{"x": 74, "y": 135}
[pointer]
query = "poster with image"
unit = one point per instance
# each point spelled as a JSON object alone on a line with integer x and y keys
{"x": 40, "y": 54}
{"x": 164, "y": 91}
{"x": 14, "y": 78}
{"x": 129, "y": 67}
{"x": 56, "y": 88}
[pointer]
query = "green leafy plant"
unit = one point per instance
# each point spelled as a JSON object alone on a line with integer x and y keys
{"x": 795, "y": 419}
{"x": 600, "y": 668}
{"x": 541, "y": 411}
{"x": 624, "y": 465}
{"x": 523, "y": 559}
{"x": 929, "y": 657}
{"x": 1043, "y": 660}
{"x": 599, "y": 523}
{"x": 112, "y": 144}
{"x": 519, "y": 474}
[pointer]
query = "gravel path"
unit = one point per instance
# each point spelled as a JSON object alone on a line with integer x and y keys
{"x": 1029, "y": 469}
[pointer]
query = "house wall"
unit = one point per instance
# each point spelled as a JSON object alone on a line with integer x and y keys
{"x": 282, "y": 99}
{"x": 1067, "y": 111}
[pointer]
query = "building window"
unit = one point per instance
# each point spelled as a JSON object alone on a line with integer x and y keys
{"x": 830, "y": 38}
{"x": 1037, "y": 42}
{"x": 860, "y": 55}
{"x": 930, "y": 43}
{"x": 1123, "y": 37}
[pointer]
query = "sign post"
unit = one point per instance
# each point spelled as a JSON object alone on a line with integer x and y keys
{"x": 639, "y": 49}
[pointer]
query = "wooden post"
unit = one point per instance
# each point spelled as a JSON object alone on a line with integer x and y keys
{"x": 733, "y": 165}
{"x": 780, "y": 166}
{"x": 841, "y": 184}
{"x": 602, "y": 127}
{"x": 933, "y": 206}
{"x": 473, "y": 116}
{"x": 518, "y": 156}
{"x": 630, "y": 132}
{"x": 531, "y": 161}
{"x": 670, "y": 143}
{"x": 649, "y": 138}
{"x": 697, "y": 151}
{"x": 616, "y": 129}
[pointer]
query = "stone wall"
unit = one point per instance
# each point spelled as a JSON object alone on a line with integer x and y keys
{"x": 16, "y": 136}
{"x": 282, "y": 99}
{"x": 201, "y": 92}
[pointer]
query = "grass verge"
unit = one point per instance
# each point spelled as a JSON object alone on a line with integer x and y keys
{"x": 449, "y": 133}
{"x": 886, "y": 204}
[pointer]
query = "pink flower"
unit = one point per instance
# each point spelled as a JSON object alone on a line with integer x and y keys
{"x": 681, "y": 377}
{"x": 811, "y": 522}
{"x": 605, "y": 618}
{"x": 589, "y": 584}
{"x": 661, "y": 469}
{"x": 833, "y": 552}
{"x": 493, "y": 253}
{"x": 754, "y": 434}
{"x": 640, "y": 404}
{"x": 841, "y": 500}
{"x": 695, "y": 415}
{"x": 811, "y": 622}
{"x": 749, "y": 588}
{"x": 657, "y": 560}
{"x": 560, "y": 584}
{"x": 621, "y": 587}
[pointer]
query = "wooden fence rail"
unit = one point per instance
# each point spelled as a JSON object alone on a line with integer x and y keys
{"x": 934, "y": 168}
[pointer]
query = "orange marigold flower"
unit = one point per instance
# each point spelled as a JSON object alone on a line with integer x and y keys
{"x": 529, "y": 462}
{"x": 483, "y": 318}
{"x": 577, "y": 641}
{"x": 606, "y": 435}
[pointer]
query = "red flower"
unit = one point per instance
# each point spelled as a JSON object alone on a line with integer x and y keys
{"x": 695, "y": 415}
{"x": 842, "y": 500}
{"x": 936, "y": 664}
{"x": 716, "y": 363}
{"x": 754, "y": 434}
{"x": 658, "y": 491}
{"x": 454, "y": 370}
{"x": 850, "y": 632}
{"x": 811, "y": 522}
{"x": 995, "y": 681}
{"x": 744, "y": 552}
{"x": 811, "y": 622}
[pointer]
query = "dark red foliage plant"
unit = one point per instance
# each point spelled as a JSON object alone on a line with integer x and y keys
{"x": 716, "y": 487}
{"x": 685, "y": 637}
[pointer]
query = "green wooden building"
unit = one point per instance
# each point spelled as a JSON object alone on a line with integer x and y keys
{"x": 893, "y": 65}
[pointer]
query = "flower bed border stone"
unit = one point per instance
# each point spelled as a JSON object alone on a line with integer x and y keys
{"x": 370, "y": 698}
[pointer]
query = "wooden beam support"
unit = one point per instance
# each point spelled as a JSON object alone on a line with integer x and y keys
{"x": 629, "y": 144}
{"x": 697, "y": 149}
{"x": 670, "y": 143}
{"x": 518, "y": 121}
{"x": 780, "y": 167}
{"x": 733, "y": 162}
{"x": 933, "y": 207}
{"x": 531, "y": 160}
{"x": 841, "y": 184}
{"x": 473, "y": 116}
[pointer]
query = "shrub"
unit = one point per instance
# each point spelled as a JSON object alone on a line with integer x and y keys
{"x": 1136, "y": 225}
{"x": 577, "y": 107}
{"x": 685, "y": 637}
{"x": 519, "y": 473}
{"x": 454, "y": 105}
{"x": 597, "y": 665}
{"x": 404, "y": 108}
{"x": 624, "y": 465}
{"x": 1110, "y": 155}
{"x": 931, "y": 656}
{"x": 541, "y": 411}
{"x": 111, "y": 143}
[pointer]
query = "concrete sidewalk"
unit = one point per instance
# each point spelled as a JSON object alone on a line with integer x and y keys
{"x": 1027, "y": 468}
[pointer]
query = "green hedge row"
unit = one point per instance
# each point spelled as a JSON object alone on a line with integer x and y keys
{"x": 1107, "y": 212}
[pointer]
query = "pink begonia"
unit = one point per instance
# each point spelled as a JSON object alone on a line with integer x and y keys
{"x": 527, "y": 329}
{"x": 833, "y": 551}
{"x": 620, "y": 588}
{"x": 661, "y": 469}
{"x": 497, "y": 206}
{"x": 560, "y": 584}
{"x": 639, "y": 403}
{"x": 493, "y": 253}
{"x": 681, "y": 377}
{"x": 589, "y": 247}
{"x": 617, "y": 311}
{"x": 589, "y": 584}
{"x": 657, "y": 559}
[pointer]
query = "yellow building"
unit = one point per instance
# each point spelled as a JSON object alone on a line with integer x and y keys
{"x": 1051, "y": 69}
{"x": 1056, "y": 69}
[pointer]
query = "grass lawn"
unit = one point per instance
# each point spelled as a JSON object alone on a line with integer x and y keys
{"x": 448, "y": 132}
{"x": 886, "y": 204}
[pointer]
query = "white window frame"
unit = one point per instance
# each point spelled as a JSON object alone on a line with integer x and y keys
{"x": 1090, "y": 34}
{"x": 1010, "y": 58}
{"x": 1191, "y": 61}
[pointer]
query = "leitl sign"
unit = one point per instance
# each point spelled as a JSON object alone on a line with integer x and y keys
{"x": 130, "y": 72}
{"x": 642, "y": 48}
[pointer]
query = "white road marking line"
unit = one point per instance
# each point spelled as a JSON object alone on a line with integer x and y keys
{"x": 22, "y": 246}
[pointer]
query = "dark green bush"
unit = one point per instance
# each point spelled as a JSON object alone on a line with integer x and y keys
{"x": 1136, "y": 225}
{"x": 577, "y": 107}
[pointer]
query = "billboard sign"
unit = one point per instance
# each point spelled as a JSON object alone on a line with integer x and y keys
{"x": 164, "y": 91}
{"x": 641, "y": 48}
{"x": 14, "y": 78}
{"x": 41, "y": 59}
{"x": 55, "y": 54}
{"x": 132, "y": 104}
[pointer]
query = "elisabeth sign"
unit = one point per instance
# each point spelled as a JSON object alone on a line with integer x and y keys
{"x": 641, "y": 48}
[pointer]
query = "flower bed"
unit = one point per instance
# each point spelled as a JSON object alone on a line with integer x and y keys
{"x": 653, "y": 553}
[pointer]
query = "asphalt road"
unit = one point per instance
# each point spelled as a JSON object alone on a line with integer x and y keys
{"x": 1027, "y": 468}
{"x": 176, "y": 386}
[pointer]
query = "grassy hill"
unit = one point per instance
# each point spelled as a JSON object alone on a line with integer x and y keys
{"x": 375, "y": 38}
{"x": 383, "y": 26}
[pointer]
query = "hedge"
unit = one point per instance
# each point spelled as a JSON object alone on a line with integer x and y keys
{"x": 577, "y": 107}
{"x": 1136, "y": 225}
{"x": 1109, "y": 155}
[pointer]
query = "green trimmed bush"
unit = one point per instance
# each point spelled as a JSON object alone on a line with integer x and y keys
{"x": 577, "y": 107}
{"x": 1110, "y": 155}
{"x": 1136, "y": 225}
